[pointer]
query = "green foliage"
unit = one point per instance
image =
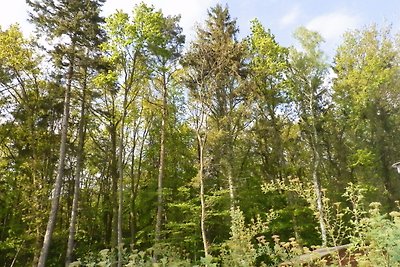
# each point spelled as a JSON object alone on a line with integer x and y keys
{"x": 366, "y": 65}
{"x": 168, "y": 257}
{"x": 15, "y": 53}
{"x": 376, "y": 242}
{"x": 276, "y": 124}
{"x": 246, "y": 243}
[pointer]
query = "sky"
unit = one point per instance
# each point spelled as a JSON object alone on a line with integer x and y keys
{"x": 331, "y": 18}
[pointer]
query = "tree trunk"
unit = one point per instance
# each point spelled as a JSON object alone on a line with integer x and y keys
{"x": 160, "y": 199}
{"x": 60, "y": 171}
{"x": 78, "y": 171}
{"x": 38, "y": 242}
{"x": 132, "y": 198}
{"x": 114, "y": 188}
{"x": 319, "y": 198}
{"x": 231, "y": 187}
{"x": 120, "y": 200}
{"x": 135, "y": 186}
{"x": 202, "y": 200}
{"x": 315, "y": 177}
{"x": 121, "y": 177}
{"x": 229, "y": 162}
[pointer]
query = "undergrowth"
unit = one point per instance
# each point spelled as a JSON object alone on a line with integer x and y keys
{"x": 372, "y": 237}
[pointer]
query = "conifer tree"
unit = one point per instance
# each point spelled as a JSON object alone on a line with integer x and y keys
{"x": 70, "y": 27}
{"x": 215, "y": 73}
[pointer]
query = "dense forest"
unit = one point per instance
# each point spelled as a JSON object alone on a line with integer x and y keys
{"x": 122, "y": 145}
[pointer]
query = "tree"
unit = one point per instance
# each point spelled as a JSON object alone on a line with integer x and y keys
{"x": 199, "y": 117}
{"x": 366, "y": 68}
{"x": 123, "y": 49}
{"x": 309, "y": 96}
{"x": 79, "y": 29}
{"x": 164, "y": 47}
{"x": 268, "y": 71}
{"x": 215, "y": 74}
{"x": 269, "y": 141}
{"x": 89, "y": 67}
{"x": 30, "y": 108}
{"x": 78, "y": 171}
{"x": 158, "y": 39}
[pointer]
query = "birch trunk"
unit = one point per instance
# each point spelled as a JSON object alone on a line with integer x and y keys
{"x": 315, "y": 177}
{"x": 160, "y": 199}
{"x": 202, "y": 199}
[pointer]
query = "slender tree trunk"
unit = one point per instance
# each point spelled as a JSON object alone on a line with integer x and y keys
{"x": 315, "y": 177}
{"x": 38, "y": 242}
{"x": 229, "y": 163}
{"x": 135, "y": 186}
{"x": 114, "y": 188}
{"x": 38, "y": 208}
{"x": 231, "y": 187}
{"x": 121, "y": 177}
{"x": 78, "y": 171}
{"x": 319, "y": 198}
{"x": 202, "y": 199}
{"x": 160, "y": 199}
{"x": 132, "y": 197}
{"x": 107, "y": 213}
{"x": 120, "y": 202}
{"x": 111, "y": 199}
{"x": 60, "y": 171}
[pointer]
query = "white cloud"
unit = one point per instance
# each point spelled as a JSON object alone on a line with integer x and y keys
{"x": 290, "y": 17}
{"x": 332, "y": 25}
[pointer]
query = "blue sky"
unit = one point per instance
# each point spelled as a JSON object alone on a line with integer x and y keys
{"x": 331, "y": 18}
